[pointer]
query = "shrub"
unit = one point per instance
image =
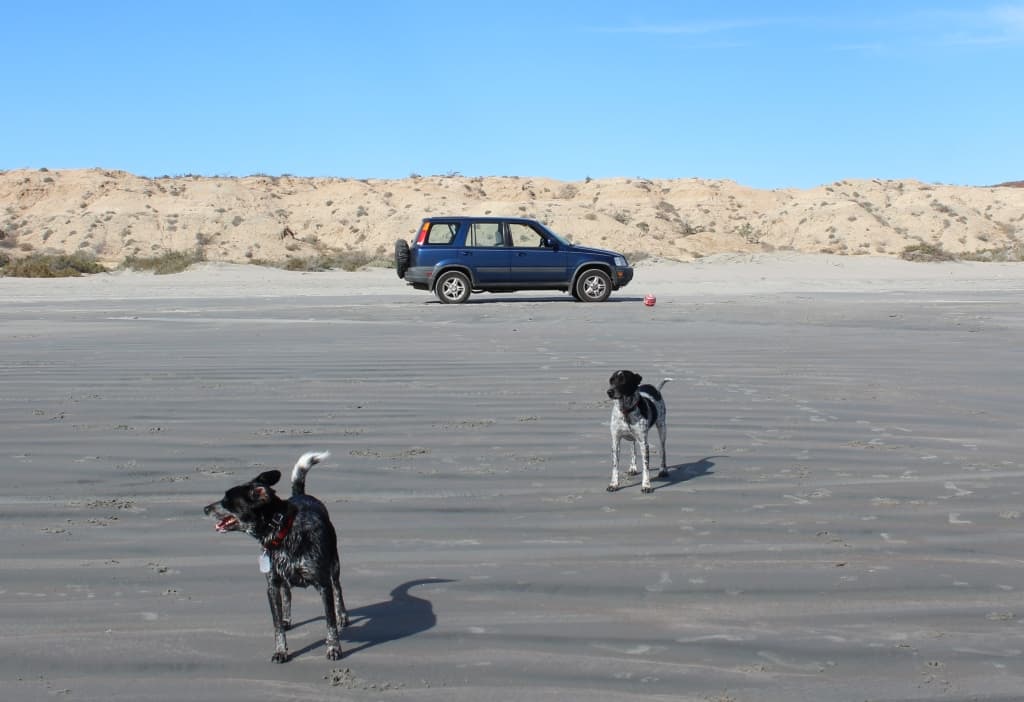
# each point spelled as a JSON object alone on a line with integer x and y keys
{"x": 302, "y": 264}
{"x": 749, "y": 234}
{"x": 1012, "y": 252}
{"x": 169, "y": 262}
{"x": 345, "y": 260}
{"x": 351, "y": 260}
{"x": 53, "y": 266}
{"x": 928, "y": 253}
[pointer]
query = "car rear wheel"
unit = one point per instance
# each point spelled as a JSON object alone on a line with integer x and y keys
{"x": 593, "y": 286}
{"x": 452, "y": 288}
{"x": 401, "y": 257}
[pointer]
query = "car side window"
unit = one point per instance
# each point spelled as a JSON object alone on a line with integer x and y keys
{"x": 524, "y": 236}
{"x": 441, "y": 234}
{"x": 485, "y": 234}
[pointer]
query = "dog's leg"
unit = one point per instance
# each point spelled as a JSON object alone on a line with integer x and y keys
{"x": 333, "y": 640}
{"x": 340, "y": 612}
{"x": 662, "y": 429}
{"x": 645, "y": 460}
{"x": 633, "y": 460}
{"x": 614, "y": 484}
{"x": 274, "y": 591}
{"x": 337, "y": 597}
{"x": 286, "y": 606}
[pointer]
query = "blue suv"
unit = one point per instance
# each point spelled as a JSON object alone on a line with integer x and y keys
{"x": 456, "y": 256}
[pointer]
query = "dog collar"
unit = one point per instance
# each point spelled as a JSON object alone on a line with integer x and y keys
{"x": 284, "y": 525}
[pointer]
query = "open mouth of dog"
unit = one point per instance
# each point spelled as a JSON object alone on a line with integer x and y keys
{"x": 226, "y": 524}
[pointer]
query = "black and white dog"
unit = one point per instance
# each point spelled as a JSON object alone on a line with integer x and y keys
{"x": 300, "y": 547}
{"x": 637, "y": 409}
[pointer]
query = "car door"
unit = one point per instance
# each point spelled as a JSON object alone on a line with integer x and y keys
{"x": 486, "y": 254}
{"x": 535, "y": 260}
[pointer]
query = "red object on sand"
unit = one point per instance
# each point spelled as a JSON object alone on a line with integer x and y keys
{"x": 649, "y": 300}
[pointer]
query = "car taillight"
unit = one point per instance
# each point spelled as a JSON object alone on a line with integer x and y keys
{"x": 422, "y": 236}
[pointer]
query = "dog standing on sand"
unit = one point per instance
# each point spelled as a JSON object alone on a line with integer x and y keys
{"x": 637, "y": 409}
{"x": 300, "y": 547}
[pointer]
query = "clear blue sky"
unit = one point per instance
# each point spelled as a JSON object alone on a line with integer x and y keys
{"x": 770, "y": 94}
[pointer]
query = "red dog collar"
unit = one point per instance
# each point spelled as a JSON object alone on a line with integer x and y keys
{"x": 279, "y": 537}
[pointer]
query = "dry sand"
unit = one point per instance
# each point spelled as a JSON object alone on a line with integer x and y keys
{"x": 113, "y": 214}
{"x": 842, "y": 520}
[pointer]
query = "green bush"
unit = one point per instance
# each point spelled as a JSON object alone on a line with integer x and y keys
{"x": 169, "y": 262}
{"x": 345, "y": 260}
{"x": 1012, "y": 252}
{"x": 928, "y": 253}
{"x": 52, "y": 266}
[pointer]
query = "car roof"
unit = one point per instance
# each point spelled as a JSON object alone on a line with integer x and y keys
{"x": 473, "y": 218}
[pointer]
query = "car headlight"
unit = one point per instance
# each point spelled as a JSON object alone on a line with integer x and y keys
{"x": 620, "y": 261}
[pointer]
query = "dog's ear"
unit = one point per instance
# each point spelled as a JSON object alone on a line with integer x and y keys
{"x": 267, "y": 478}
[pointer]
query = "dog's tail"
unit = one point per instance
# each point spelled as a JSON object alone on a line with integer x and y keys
{"x": 307, "y": 461}
{"x": 662, "y": 383}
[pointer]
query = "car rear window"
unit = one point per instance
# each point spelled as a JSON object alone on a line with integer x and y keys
{"x": 440, "y": 234}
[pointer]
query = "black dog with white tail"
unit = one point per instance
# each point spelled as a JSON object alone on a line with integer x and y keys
{"x": 300, "y": 547}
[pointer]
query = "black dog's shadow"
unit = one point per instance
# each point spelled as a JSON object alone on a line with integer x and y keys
{"x": 688, "y": 471}
{"x": 401, "y": 616}
{"x": 683, "y": 472}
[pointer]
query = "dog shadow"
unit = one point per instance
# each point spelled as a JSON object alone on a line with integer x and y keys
{"x": 401, "y": 616}
{"x": 686, "y": 471}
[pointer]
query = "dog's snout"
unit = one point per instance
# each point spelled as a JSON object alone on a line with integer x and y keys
{"x": 611, "y": 393}
{"x": 210, "y": 508}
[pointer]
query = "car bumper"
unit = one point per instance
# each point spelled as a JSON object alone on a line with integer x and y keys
{"x": 621, "y": 277}
{"x": 419, "y": 276}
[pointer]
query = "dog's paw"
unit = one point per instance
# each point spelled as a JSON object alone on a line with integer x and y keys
{"x": 612, "y": 488}
{"x": 646, "y": 489}
{"x": 633, "y": 471}
{"x": 334, "y": 652}
{"x": 279, "y": 657}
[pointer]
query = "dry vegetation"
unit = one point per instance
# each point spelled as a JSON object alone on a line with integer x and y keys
{"x": 57, "y": 220}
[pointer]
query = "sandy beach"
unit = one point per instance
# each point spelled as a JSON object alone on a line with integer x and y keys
{"x": 842, "y": 520}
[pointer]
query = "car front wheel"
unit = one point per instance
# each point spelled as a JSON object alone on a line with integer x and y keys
{"x": 452, "y": 288}
{"x": 593, "y": 286}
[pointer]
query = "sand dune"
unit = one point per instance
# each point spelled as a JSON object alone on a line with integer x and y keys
{"x": 114, "y": 215}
